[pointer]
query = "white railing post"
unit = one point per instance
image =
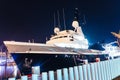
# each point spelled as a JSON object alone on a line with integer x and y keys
{"x": 104, "y": 70}
{"x": 92, "y": 71}
{"x": 76, "y": 73}
{"x": 36, "y": 70}
{"x": 112, "y": 68}
{"x": 85, "y": 72}
{"x": 80, "y": 70}
{"x": 71, "y": 73}
{"x": 24, "y": 78}
{"x": 51, "y": 75}
{"x": 111, "y": 73}
{"x": 65, "y": 74}
{"x": 88, "y": 72}
{"x": 107, "y": 70}
{"x": 34, "y": 76}
{"x": 59, "y": 74}
{"x": 114, "y": 63}
{"x": 99, "y": 71}
{"x": 11, "y": 78}
{"x": 44, "y": 76}
{"x": 96, "y": 70}
{"x": 118, "y": 66}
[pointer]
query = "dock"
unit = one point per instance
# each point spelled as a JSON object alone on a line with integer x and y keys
{"x": 103, "y": 70}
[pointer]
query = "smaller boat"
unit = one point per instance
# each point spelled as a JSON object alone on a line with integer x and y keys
{"x": 111, "y": 50}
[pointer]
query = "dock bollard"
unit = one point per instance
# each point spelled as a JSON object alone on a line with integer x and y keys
{"x": 36, "y": 70}
{"x": 35, "y": 77}
{"x": 97, "y": 59}
{"x": 24, "y": 78}
{"x": 85, "y": 61}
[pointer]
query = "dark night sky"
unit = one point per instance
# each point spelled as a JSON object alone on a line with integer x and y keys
{"x": 24, "y": 20}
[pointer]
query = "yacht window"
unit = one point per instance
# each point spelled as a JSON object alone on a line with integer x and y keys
{"x": 60, "y": 37}
{"x": 71, "y": 39}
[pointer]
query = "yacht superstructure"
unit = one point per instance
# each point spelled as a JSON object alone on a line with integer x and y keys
{"x": 62, "y": 39}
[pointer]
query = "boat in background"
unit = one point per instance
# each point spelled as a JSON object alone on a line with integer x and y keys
{"x": 65, "y": 49}
{"x": 111, "y": 50}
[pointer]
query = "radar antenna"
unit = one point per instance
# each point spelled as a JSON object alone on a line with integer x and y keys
{"x": 84, "y": 21}
{"x": 75, "y": 22}
{"x": 76, "y": 14}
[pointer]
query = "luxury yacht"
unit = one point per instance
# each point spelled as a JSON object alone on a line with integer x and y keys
{"x": 66, "y": 48}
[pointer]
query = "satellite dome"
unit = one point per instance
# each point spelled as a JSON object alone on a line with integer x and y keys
{"x": 56, "y": 30}
{"x": 75, "y": 24}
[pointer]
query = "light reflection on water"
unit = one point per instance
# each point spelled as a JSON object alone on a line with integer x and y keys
{"x": 8, "y": 67}
{"x": 8, "y": 71}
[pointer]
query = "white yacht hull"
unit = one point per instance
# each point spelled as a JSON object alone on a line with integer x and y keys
{"x": 25, "y": 47}
{"x": 48, "y": 57}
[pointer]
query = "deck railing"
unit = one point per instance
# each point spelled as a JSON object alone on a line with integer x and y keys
{"x": 103, "y": 70}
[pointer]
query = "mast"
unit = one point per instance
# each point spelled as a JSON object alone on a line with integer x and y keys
{"x": 75, "y": 22}
{"x": 64, "y": 19}
{"x": 56, "y": 28}
{"x": 54, "y": 20}
{"x": 58, "y": 19}
{"x": 76, "y": 14}
{"x": 84, "y": 21}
